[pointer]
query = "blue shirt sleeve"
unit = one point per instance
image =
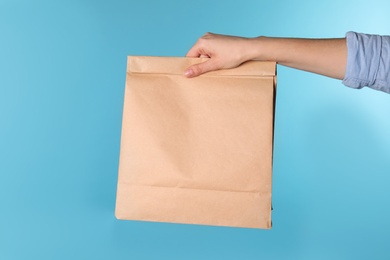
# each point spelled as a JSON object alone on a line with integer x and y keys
{"x": 368, "y": 62}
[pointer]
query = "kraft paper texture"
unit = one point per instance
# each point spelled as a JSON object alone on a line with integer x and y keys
{"x": 199, "y": 150}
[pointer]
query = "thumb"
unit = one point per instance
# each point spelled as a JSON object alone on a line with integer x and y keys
{"x": 200, "y": 68}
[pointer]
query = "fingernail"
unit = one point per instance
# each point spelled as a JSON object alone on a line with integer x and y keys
{"x": 188, "y": 72}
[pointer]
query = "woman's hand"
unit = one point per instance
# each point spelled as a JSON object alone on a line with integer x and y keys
{"x": 224, "y": 51}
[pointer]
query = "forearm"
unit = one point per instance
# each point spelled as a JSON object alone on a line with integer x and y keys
{"x": 322, "y": 56}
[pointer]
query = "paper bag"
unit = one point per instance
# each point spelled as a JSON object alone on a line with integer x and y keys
{"x": 199, "y": 150}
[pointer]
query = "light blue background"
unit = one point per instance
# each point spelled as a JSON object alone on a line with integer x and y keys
{"x": 62, "y": 76}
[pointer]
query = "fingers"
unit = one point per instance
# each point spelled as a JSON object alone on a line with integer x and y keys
{"x": 200, "y": 68}
{"x": 200, "y": 49}
{"x": 194, "y": 51}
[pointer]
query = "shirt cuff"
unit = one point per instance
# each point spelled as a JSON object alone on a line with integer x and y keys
{"x": 363, "y": 59}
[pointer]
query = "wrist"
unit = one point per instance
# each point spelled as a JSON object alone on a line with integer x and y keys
{"x": 257, "y": 48}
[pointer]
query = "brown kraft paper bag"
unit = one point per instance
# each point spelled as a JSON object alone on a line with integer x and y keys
{"x": 199, "y": 150}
